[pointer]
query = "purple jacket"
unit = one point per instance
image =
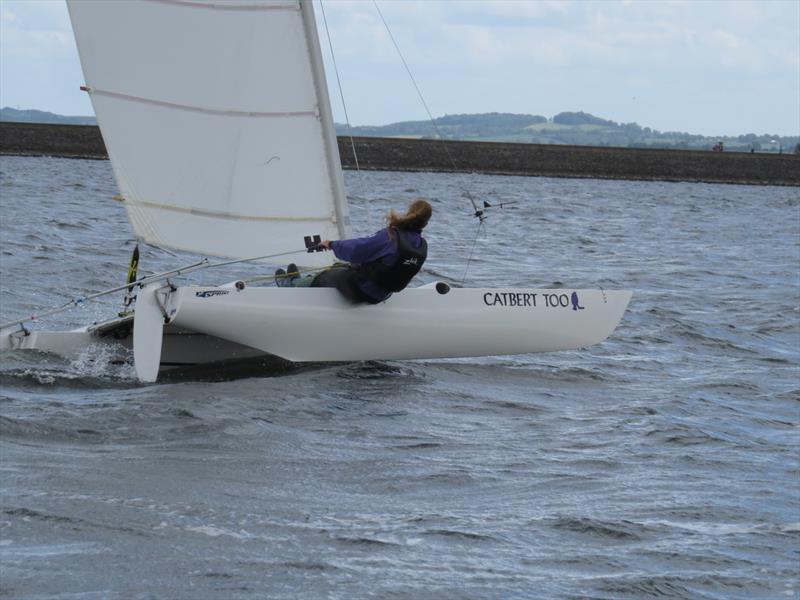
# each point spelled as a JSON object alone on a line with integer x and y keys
{"x": 378, "y": 246}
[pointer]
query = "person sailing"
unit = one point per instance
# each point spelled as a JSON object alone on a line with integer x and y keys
{"x": 380, "y": 264}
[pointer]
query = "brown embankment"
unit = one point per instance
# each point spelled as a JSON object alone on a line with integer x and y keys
{"x": 391, "y": 154}
{"x": 39, "y": 139}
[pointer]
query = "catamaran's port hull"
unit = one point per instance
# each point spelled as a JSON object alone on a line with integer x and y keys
{"x": 113, "y": 340}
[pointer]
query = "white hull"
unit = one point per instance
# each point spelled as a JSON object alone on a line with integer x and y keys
{"x": 223, "y": 324}
{"x": 317, "y": 325}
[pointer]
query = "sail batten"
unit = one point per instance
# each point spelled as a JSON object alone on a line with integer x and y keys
{"x": 222, "y": 215}
{"x": 232, "y": 4}
{"x": 208, "y": 110}
{"x": 216, "y": 122}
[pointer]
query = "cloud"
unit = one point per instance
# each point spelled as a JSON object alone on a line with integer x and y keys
{"x": 38, "y": 29}
{"x": 39, "y": 65}
{"x": 682, "y": 61}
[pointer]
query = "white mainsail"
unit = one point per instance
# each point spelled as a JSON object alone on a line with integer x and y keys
{"x": 217, "y": 122}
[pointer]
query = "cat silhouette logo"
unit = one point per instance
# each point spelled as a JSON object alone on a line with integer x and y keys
{"x": 575, "y": 303}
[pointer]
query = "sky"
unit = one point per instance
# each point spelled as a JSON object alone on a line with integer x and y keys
{"x": 707, "y": 67}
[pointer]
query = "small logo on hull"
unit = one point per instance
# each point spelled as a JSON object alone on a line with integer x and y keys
{"x": 211, "y": 293}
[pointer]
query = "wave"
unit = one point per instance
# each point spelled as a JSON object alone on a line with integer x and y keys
{"x": 678, "y": 434}
{"x": 363, "y": 541}
{"x": 460, "y": 535}
{"x": 373, "y": 369}
{"x": 67, "y": 378}
{"x": 616, "y": 530}
{"x": 30, "y": 431}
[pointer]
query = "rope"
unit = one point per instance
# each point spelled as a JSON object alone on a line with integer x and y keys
{"x": 339, "y": 83}
{"x": 285, "y": 275}
{"x": 77, "y": 301}
{"x": 203, "y": 264}
{"x": 254, "y": 258}
{"x": 469, "y": 260}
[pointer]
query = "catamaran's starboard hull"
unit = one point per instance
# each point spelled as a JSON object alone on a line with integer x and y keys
{"x": 317, "y": 325}
{"x": 224, "y": 325}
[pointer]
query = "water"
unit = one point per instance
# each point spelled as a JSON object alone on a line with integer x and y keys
{"x": 663, "y": 462}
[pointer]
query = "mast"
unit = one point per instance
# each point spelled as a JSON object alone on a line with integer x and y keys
{"x": 326, "y": 118}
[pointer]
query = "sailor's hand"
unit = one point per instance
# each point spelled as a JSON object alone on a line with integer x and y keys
{"x": 325, "y": 244}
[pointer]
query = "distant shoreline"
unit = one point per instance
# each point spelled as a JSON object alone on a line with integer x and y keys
{"x": 494, "y": 158}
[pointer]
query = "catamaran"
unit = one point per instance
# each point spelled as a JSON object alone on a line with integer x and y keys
{"x": 218, "y": 125}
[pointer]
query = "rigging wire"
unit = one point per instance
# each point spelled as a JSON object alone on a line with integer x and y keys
{"x": 344, "y": 105}
{"x": 339, "y": 84}
{"x": 478, "y": 213}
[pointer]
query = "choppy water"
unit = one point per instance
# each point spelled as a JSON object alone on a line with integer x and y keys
{"x": 664, "y": 462}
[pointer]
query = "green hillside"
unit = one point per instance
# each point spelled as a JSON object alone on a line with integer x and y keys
{"x": 39, "y": 116}
{"x": 571, "y": 128}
